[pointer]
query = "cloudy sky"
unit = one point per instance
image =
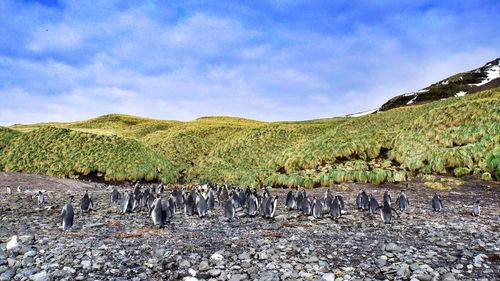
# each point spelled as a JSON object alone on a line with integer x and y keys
{"x": 268, "y": 60}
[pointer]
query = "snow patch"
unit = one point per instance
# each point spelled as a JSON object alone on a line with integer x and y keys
{"x": 415, "y": 93}
{"x": 412, "y": 100}
{"x": 460, "y": 94}
{"x": 362, "y": 113}
{"x": 492, "y": 73}
{"x": 445, "y": 82}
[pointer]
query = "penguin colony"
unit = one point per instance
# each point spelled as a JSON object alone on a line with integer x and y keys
{"x": 162, "y": 205}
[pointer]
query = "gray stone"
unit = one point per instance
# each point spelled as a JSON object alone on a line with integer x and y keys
{"x": 41, "y": 276}
{"x": 203, "y": 266}
{"x": 391, "y": 247}
{"x": 328, "y": 277}
{"x": 380, "y": 262}
{"x": 244, "y": 256}
{"x": 238, "y": 277}
{"x": 448, "y": 277}
{"x": 403, "y": 270}
{"x": 214, "y": 272}
{"x": 86, "y": 264}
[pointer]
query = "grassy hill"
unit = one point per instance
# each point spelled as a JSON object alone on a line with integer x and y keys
{"x": 456, "y": 136}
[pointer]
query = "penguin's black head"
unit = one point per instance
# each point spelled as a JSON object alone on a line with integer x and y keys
{"x": 478, "y": 201}
{"x": 71, "y": 197}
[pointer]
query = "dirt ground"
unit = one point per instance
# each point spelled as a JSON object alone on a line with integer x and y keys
{"x": 105, "y": 245}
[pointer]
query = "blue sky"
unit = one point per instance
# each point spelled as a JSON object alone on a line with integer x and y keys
{"x": 266, "y": 60}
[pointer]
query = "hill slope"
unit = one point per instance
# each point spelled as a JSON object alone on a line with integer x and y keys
{"x": 455, "y": 136}
{"x": 483, "y": 78}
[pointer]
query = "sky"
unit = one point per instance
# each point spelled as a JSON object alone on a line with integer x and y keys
{"x": 63, "y": 60}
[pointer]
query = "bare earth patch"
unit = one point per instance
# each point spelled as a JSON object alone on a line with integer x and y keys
{"x": 105, "y": 245}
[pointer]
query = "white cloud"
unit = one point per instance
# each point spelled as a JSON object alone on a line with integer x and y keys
{"x": 142, "y": 61}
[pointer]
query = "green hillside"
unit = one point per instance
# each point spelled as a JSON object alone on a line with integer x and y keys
{"x": 455, "y": 136}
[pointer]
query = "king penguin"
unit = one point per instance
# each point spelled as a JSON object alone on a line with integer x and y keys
{"x": 386, "y": 212}
{"x": 317, "y": 208}
{"x": 437, "y": 205}
{"x": 86, "y": 203}
{"x": 156, "y": 211}
{"x": 335, "y": 209}
{"x": 291, "y": 204}
{"x": 67, "y": 215}
{"x": 229, "y": 209}
{"x": 115, "y": 195}
{"x": 201, "y": 206}
{"x": 252, "y": 205}
{"x": 476, "y": 209}
{"x": 372, "y": 204}
{"x": 402, "y": 202}
{"x": 41, "y": 198}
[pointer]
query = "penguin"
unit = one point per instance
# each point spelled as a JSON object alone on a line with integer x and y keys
{"x": 145, "y": 197}
{"x": 67, "y": 215}
{"x": 189, "y": 204}
{"x": 9, "y": 191}
{"x": 137, "y": 190}
{"x": 179, "y": 199}
{"x": 328, "y": 199}
{"x": 161, "y": 188}
{"x": 166, "y": 212}
{"x": 402, "y": 202}
{"x": 291, "y": 204}
{"x": 223, "y": 195}
{"x": 437, "y": 205}
{"x": 341, "y": 201}
{"x": 317, "y": 208}
{"x": 387, "y": 196}
{"x": 270, "y": 207}
{"x": 252, "y": 206}
{"x": 86, "y": 203}
{"x": 476, "y": 209}
{"x": 386, "y": 212}
{"x": 19, "y": 189}
{"x": 201, "y": 206}
{"x": 359, "y": 200}
{"x": 115, "y": 195}
{"x": 126, "y": 203}
{"x": 157, "y": 212}
{"x": 229, "y": 209}
{"x": 41, "y": 198}
{"x": 365, "y": 200}
{"x": 242, "y": 197}
{"x": 306, "y": 206}
{"x": 236, "y": 200}
{"x": 372, "y": 204}
{"x": 263, "y": 204}
{"x": 171, "y": 205}
{"x": 210, "y": 199}
{"x": 335, "y": 209}
{"x": 136, "y": 203}
{"x": 150, "y": 200}
{"x": 299, "y": 197}
{"x": 194, "y": 193}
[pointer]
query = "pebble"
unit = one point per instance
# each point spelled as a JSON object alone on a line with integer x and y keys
{"x": 41, "y": 276}
{"x": 328, "y": 277}
{"x": 391, "y": 247}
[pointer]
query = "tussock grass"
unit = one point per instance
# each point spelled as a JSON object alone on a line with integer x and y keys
{"x": 454, "y": 137}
